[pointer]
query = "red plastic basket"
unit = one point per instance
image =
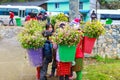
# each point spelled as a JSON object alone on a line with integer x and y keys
{"x": 88, "y": 44}
{"x": 63, "y": 68}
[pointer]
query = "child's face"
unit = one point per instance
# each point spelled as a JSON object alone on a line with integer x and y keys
{"x": 50, "y": 28}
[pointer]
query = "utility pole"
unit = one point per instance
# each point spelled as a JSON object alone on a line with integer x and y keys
{"x": 96, "y": 6}
{"x": 73, "y": 9}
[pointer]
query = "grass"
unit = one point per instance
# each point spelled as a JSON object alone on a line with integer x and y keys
{"x": 103, "y": 69}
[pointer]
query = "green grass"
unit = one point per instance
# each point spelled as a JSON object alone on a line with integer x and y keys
{"x": 105, "y": 69}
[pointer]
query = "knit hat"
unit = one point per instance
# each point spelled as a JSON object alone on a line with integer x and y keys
{"x": 77, "y": 20}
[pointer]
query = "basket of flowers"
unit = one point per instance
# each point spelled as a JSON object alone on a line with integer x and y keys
{"x": 67, "y": 38}
{"x": 31, "y": 39}
{"x": 59, "y": 18}
{"x": 92, "y": 30}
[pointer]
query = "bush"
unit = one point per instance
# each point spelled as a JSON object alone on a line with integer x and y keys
{"x": 98, "y": 58}
{"x": 62, "y": 17}
{"x": 104, "y": 60}
{"x": 53, "y": 20}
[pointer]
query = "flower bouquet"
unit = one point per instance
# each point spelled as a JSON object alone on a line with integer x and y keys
{"x": 31, "y": 39}
{"x": 59, "y": 18}
{"x": 92, "y": 30}
{"x": 67, "y": 39}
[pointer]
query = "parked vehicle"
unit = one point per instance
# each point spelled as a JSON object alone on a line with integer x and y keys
{"x": 19, "y": 12}
{"x": 102, "y": 15}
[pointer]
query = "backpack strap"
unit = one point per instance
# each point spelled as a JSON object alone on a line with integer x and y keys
{"x": 50, "y": 47}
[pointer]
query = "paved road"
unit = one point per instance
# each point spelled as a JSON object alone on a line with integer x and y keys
{"x": 14, "y": 64}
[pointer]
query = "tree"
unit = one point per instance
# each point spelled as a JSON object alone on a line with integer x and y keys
{"x": 114, "y": 4}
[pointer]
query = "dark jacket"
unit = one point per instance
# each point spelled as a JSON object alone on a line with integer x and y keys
{"x": 47, "y": 51}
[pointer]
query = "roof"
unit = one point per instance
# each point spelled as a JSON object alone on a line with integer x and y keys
{"x": 21, "y": 7}
{"x": 33, "y": 3}
{"x": 84, "y": 11}
{"x": 53, "y": 1}
{"x": 81, "y": 11}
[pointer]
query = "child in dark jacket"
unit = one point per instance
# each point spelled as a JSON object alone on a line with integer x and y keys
{"x": 47, "y": 52}
{"x": 47, "y": 58}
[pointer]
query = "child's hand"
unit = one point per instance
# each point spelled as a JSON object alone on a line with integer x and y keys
{"x": 73, "y": 63}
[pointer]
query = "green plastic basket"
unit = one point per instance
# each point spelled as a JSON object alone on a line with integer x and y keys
{"x": 67, "y": 53}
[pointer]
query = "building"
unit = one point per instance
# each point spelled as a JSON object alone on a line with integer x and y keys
{"x": 85, "y": 6}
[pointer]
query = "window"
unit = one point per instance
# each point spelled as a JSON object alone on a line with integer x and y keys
{"x": 22, "y": 13}
{"x": 112, "y": 16}
{"x": 80, "y": 5}
{"x": 56, "y": 5}
{"x": 30, "y": 10}
{"x": 5, "y": 11}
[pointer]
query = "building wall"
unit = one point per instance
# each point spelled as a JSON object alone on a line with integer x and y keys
{"x": 62, "y": 7}
{"x": 86, "y": 5}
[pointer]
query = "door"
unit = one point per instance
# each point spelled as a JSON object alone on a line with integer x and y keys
{"x": 22, "y": 15}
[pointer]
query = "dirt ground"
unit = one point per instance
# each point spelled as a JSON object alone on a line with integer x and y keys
{"x": 14, "y": 64}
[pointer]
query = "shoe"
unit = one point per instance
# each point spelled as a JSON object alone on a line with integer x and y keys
{"x": 51, "y": 75}
{"x": 71, "y": 78}
{"x": 45, "y": 77}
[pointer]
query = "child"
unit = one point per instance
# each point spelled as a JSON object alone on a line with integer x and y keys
{"x": 79, "y": 60}
{"x": 40, "y": 17}
{"x": 50, "y": 28}
{"x": 47, "y": 52}
{"x": 47, "y": 58}
{"x": 63, "y": 68}
{"x": 55, "y": 47}
{"x": 28, "y": 17}
{"x": 54, "y": 65}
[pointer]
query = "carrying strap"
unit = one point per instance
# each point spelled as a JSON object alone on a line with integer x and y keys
{"x": 80, "y": 44}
